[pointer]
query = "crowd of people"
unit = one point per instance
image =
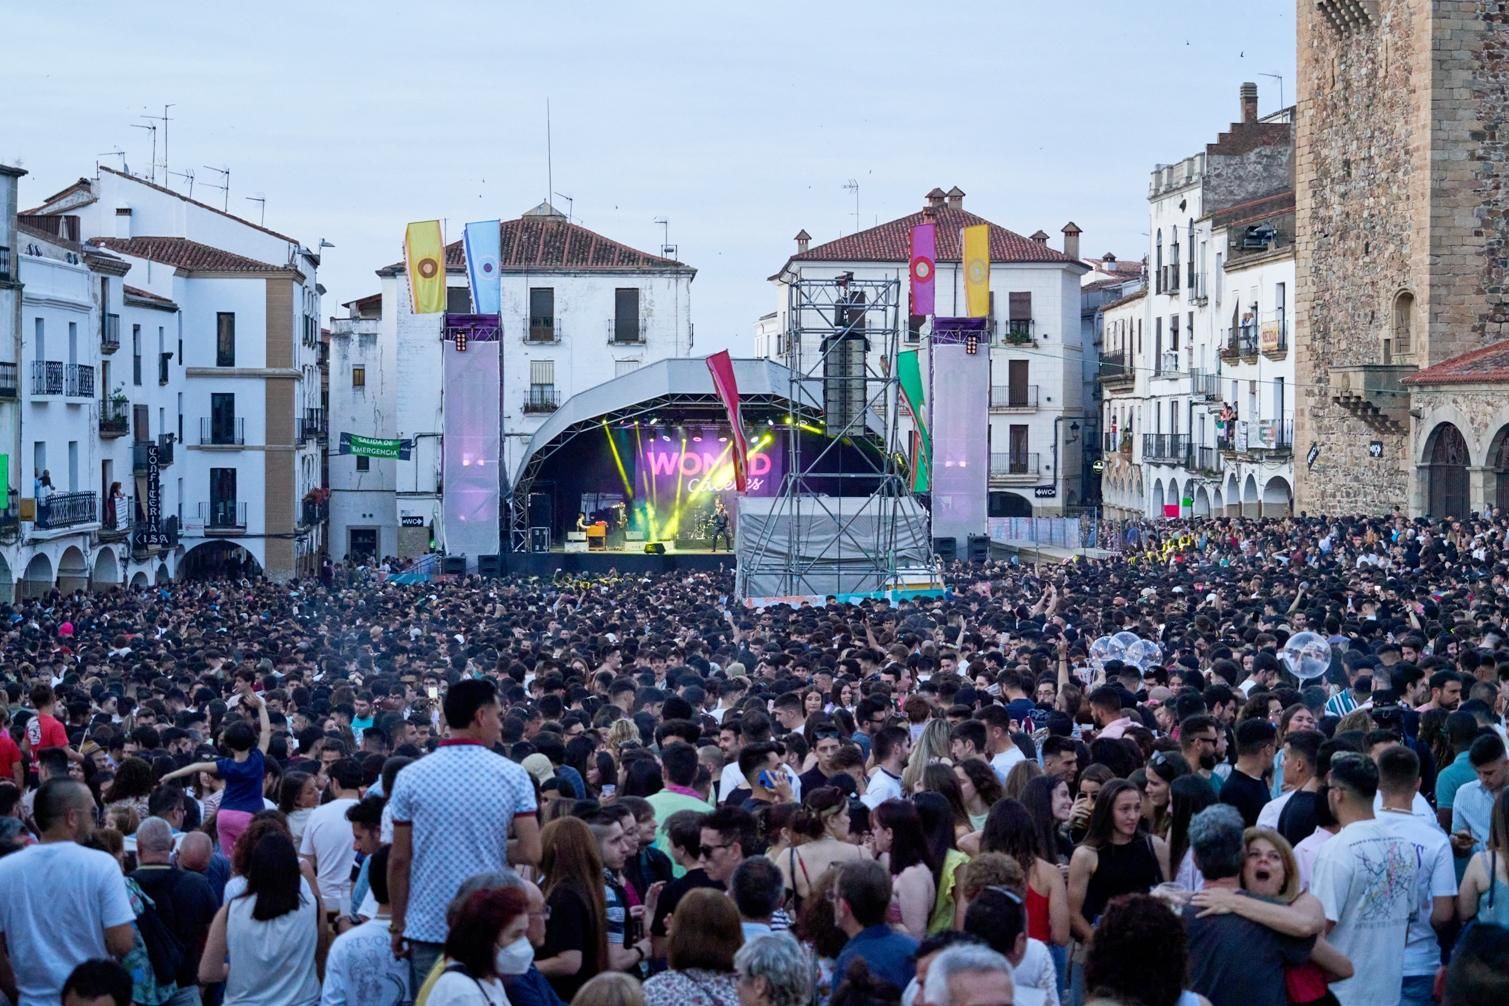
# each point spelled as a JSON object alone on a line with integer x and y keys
{"x": 630, "y": 791}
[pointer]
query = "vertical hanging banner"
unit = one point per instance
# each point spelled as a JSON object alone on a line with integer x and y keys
{"x": 977, "y": 270}
{"x": 923, "y": 268}
{"x": 959, "y": 422}
{"x": 424, "y": 258}
{"x": 472, "y": 435}
{"x": 721, "y": 366}
{"x": 483, "y": 242}
{"x": 909, "y": 373}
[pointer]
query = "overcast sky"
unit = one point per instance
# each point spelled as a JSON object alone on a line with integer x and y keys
{"x": 739, "y": 123}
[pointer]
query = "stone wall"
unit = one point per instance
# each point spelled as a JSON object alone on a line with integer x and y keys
{"x": 1361, "y": 192}
{"x": 1243, "y": 175}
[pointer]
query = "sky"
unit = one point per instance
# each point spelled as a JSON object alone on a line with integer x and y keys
{"x": 739, "y": 123}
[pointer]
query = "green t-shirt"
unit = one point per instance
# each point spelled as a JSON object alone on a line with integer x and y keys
{"x": 1452, "y": 778}
{"x": 667, "y": 803}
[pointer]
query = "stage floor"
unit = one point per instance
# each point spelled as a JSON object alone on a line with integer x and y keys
{"x": 624, "y": 561}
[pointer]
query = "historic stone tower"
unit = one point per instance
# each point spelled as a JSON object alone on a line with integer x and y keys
{"x": 1400, "y": 142}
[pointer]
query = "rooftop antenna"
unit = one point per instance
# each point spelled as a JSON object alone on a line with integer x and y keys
{"x": 261, "y": 201}
{"x": 117, "y": 152}
{"x": 163, "y": 118}
{"x": 549, "y": 161}
{"x": 1280, "y": 80}
{"x": 186, "y": 174}
{"x": 152, "y": 165}
{"x": 569, "y": 204}
{"x": 225, "y": 176}
{"x": 666, "y": 248}
{"x": 852, "y": 185}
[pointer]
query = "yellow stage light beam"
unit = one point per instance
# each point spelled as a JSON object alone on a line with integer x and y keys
{"x": 618, "y": 461}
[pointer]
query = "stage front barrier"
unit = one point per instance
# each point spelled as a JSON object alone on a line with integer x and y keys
{"x": 806, "y": 548}
{"x": 1059, "y": 532}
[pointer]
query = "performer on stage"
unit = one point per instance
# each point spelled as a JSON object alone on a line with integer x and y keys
{"x": 581, "y": 521}
{"x": 721, "y": 527}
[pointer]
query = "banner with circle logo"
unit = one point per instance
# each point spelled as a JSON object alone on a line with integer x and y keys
{"x": 424, "y": 257}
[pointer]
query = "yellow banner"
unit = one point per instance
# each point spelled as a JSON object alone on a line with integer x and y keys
{"x": 424, "y": 255}
{"x": 977, "y": 271}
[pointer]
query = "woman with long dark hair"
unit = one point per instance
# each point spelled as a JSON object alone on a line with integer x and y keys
{"x": 297, "y": 797}
{"x": 1117, "y": 857}
{"x": 1011, "y": 830}
{"x": 1048, "y": 804}
{"x": 1163, "y": 768}
{"x": 264, "y": 942}
{"x": 1187, "y": 796}
{"x": 899, "y": 844}
{"x": 979, "y": 787}
{"x": 133, "y": 784}
{"x": 576, "y": 940}
{"x": 941, "y": 779}
{"x": 937, "y": 817}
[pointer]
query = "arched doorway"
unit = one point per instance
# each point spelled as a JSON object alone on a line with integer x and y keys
{"x": 1498, "y": 459}
{"x": 107, "y": 571}
{"x": 7, "y": 581}
{"x": 215, "y": 560}
{"x": 1250, "y": 503}
{"x": 1446, "y": 461}
{"x": 164, "y": 577}
{"x": 37, "y": 578}
{"x": 1202, "y": 502}
{"x": 1174, "y": 498}
{"x": 1157, "y": 498}
{"x": 1218, "y": 503}
{"x": 1233, "y": 496}
{"x": 1278, "y": 500}
{"x": 73, "y": 570}
{"x": 138, "y": 580}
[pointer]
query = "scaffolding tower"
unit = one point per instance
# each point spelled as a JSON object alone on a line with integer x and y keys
{"x": 844, "y": 520}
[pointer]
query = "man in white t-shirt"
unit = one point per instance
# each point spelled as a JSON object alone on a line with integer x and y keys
{"x": 361, "y": 968}
{"x": 328, "y": 844}
{"x": 1366, "y": 880}
{"x": 62, "y": 904}
{"x": 1436, "y": 884}
{"x": 1004, "y": 754}
{"x": 891, "y": 746}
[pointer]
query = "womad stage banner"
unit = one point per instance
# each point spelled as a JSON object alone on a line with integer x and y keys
{"x": 960, "y": 363}
{"x": 375, "y": 447}
{"x": 483, "y": 242}
{"x": 424, "y": 260}
{"x": 471, "y": 480}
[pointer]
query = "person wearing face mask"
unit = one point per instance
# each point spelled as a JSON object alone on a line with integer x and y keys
{"x": 361, "y": 968}
{"x": 479, "y": 946}
{"x": 522, "y": 980}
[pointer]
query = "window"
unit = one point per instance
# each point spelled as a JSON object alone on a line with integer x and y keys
{"x": 222, "y": 498}
{"x": 39, "y": 338}
{"x": 225, "y": 339}
{"x": 136, "y": 355}
{"x": 73, "y": 343}
{"x": 363, "y": 463}
{"x": 1173, "y": 333}
{"x": 1158, "y": 265}
{"x": 541, "y": 384}
{"x": 222, "y": 418}
{"x": 622, "y": 367}
{"x": 626, "y": 327}
{"x": 458, "y": 299}
{"x": 1019, "y": 315}
{"x": 542, "y": 314}
{"x": 38, "y": 458}
{"x": 1219, "y": 277}
{"x": 73, "y": 466}
{"x": 358, "y": 377}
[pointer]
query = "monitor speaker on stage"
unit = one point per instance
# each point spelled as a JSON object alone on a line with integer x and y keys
{"x": 539, "y": 539}
{"x": 979, "y": 547}
{"x": 488, "y": 565}
{"x": 946, "y": 549}
{"x": 454, "y": 565}
{"x": 654, "y": 548}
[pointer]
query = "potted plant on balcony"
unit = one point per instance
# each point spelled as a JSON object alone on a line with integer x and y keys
{"x": 118, "y": 396}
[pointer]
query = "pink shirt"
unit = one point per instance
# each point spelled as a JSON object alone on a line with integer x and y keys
{"x": 1116, "y": 728}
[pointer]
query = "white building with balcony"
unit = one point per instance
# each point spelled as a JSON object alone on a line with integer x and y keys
{"x": 1037, "y": 420}
{"x": 578, "y": 309}
{"x": 204, "y": 356}
{"x": 1209, "y": 401}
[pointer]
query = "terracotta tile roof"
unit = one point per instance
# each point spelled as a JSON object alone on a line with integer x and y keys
{"x": 892, "y": 242}
{"x": 537, "y": 242}
{"x": 185, "y": 254}
{"x": 1488, "y": 365}
{"x": 147, "y": 299}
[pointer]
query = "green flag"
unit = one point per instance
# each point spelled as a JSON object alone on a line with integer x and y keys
{"x": 909, "y": 371}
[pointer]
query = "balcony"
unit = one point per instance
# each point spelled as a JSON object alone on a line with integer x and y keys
{"x": 315, "y": 513}
{"x": 1165, "y": 448}
{"x": 1116, "y": 368}
{"x": 626, "y": 332}
{"x": 1241, "y": 341}
{"x": 162, "y": 367}
{"x": 1273, "y": 336}
{"x": 1166, "y": 365}
{"x": 10, "y": 524}
{"x": 1272, "y": 437}
{"x": 1206, "y": 387}
{"x": 1015, "y": 466}
{"x": 1208, "y": 460}
{"x": 79, "y": 381}
{"x": 1372, "y": 393}
{"x": 5, "y": 261}
{"x": 223, "y": 517}
{"x": 115, "y": 417}
{"x": 10, "y": 380}
{"x": 139, "y": 454}
{"x": 65, "y": 510}
{"x": 542, "y": 398}
{"x": 222, "y": 433}
{"x": 313, "y": 426}
{"x": 117, "y": 520}
{"x": 110, "y": 334}
{"x": 542, "y": 330}
{"x": 165, "y": 450}
{"x": 1018, "y": 332}
{"x": 46, "y": 378}
{"x": 1005, "y": 398}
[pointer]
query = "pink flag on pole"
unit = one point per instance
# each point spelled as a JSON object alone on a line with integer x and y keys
{"x": 924, "y": 265}
{"x": 1171, "y": 510}
{"x": 722, "y": 369}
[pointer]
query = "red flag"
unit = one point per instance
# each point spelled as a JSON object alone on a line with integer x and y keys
{"x": 923, "y": 266}
{"x": 722, "y": 369}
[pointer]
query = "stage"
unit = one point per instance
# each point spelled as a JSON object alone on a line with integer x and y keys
{"x": 623, "y": 561}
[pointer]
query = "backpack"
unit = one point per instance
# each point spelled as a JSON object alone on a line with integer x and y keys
{"x": 164, "y": 949}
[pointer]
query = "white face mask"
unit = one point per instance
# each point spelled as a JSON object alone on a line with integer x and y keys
{"x": 516, "y": 958}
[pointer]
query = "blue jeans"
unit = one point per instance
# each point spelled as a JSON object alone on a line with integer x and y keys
{"x": 185, "y": 997}
{"x": 422, "y": 958}
{"x": 1416, "y": 990}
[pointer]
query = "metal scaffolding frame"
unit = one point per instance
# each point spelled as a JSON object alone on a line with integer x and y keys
{"x": 822, "y": 316}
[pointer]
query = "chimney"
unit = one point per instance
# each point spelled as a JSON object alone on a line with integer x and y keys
{"x": 955, "y": 197}
{"x": 1071, "y": 240}
{"x": 802, "y": 237}
{"x": 123, "y": 221}
{"x": 1249, "y": 102}
{"x": 935, "y": 198}
{"x": 1041, "y": 237}
{"x": 1109, "y": 258}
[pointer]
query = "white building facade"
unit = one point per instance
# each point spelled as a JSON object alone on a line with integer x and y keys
{"x": 578, "y": 309}
{"x": 1037, "y": 417}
